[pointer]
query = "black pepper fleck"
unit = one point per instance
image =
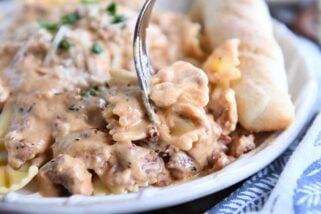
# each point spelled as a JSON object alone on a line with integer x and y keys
{"x": 31, "y": 107}
{"x": 74, "y": 107}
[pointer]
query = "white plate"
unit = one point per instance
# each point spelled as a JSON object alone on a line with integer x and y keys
{"x": 303, "y": 88}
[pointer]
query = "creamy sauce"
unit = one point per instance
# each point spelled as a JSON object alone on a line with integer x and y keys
{"x": 81, "y": 116}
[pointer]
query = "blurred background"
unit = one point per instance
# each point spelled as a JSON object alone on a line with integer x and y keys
{"x": 302, "y": 16}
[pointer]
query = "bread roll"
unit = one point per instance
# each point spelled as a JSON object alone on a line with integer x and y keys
{"x": 262, "y": 95}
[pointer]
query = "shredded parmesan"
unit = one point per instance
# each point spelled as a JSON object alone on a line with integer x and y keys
{"x": 55, "y": 43}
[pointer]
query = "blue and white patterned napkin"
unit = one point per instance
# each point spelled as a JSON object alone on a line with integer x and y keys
{"x": 292, "y": 183}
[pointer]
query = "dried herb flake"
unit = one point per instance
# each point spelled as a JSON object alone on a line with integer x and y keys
{"x": 96, "y": 48}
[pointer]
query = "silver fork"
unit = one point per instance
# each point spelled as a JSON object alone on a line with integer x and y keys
{"x": 142, "y": 60}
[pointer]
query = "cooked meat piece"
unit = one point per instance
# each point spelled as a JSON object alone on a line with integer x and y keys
{"x": 132, "y": 166}
{"x": 164, "y": 179}
{"x": 89, "y": 145}
{"x": 144, "y": 163}
{"x": 70, "y": 173}
{"x": 118, "y": 179}
{"x": 181, "y": 166}
{"x": 224, "y": 139}
{"x": 20, "y": 151}
{"x": 241, "y": 145}
{"x": 220, "y": 161}
{"x": 39, "y": 118}
{"x": 28, "y": 133}
{"x": 153, "y": 134}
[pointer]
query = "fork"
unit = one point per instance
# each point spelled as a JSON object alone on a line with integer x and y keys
{"x": 142, "y": 60}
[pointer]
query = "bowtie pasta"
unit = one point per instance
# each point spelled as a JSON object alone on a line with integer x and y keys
{"x": 72, "y": 117}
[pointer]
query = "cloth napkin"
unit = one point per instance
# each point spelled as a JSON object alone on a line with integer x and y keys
{"x": 292, "y": 183}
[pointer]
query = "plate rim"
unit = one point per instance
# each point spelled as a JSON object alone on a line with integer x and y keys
{"x": 144, "y": 201}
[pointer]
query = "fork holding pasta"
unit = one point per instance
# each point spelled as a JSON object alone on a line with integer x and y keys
{"x": 73, "y": 120}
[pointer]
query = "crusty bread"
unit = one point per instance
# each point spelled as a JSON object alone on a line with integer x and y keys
{"x": 262, "y": 92}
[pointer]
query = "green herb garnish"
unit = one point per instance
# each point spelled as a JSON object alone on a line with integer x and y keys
{"x": 68, "y": 19}
{"x": 112, "y": 9}
{"x": 118, "y": 19}
{"x": 92, "y": 91}
{"x": 113, "y": 12}
{"x": 96, "y": 48}
{"x": 89, "y": 1}
{"x": 65, "y": 45}
{"x": 49, "y": 26}
{"x": 96, "y": 87}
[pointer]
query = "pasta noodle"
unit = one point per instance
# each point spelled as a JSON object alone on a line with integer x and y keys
{"x": 72, "y": 104}
{"x": 222, "y": 65}
{"x": 263, "y": 101}
{"x": 184, "y": 90}
{"x": 99, "y": 188}
{"x": 13, "y": 180}
{"x": 222, "y": 70}
{"x": 125, "y": 114}
{"x": 189, "y": 83}
{"x": 182, "y": 126}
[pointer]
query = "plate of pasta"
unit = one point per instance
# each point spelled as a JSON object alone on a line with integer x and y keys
{"x": 231, "y": 91}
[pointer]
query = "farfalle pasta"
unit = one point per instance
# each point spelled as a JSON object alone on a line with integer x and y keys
{"x": 182, "y": 125}
{"x": 222, "y": 68}
{"x": 182, "y": 80}
{"x": 72, "y": 118}
{"x": 125, "y": 113}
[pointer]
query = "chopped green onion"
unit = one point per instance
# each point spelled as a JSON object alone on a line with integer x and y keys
{"x": 118, "y": 19}
{"x": 96, "y": 48}
{"x": 70, "y": 19}
{"x": 113, "y": 12}
{"x": 83, "y": 93}
{"x": 112, "y": 9}
{"x": 65, "y": 45}
{"x": 49, "y": 26}
{"x": 92, "y": 91}
{"x": 89, "y": 1}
